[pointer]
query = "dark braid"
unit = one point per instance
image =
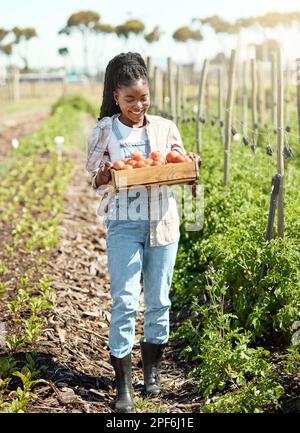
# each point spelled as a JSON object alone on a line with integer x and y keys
{"x": 123, "y": 70}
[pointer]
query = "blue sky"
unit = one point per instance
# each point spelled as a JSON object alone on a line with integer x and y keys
{"x": 48, "y": 16}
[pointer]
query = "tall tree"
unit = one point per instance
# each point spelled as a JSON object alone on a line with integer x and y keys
{"x": 264, "y": 22}
{"x": 23, "y": 36}
{"x": 132, "y": 27}
{"x": 64, "y": 53}
{"x": 154, "y": 35}
{"x": 271, "y": 19}
{"x": 101, "y": 31}
{"x": 220, "y": 27}
{"x": 187, "y": 35}
{"x": 83, "y": 22}
{"x": 5, "y": 47}
{"x": 3, "y": 34}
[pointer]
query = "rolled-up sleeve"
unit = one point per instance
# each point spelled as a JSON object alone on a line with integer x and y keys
{"x": 175, "y": 140}
{"x": 96, "y": 152}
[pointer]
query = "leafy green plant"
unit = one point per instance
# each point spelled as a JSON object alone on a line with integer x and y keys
{"x": 14, "y": 342}
{"x": 7, "y": 366}
{"x": 21, "y": 397}
{"x": 76, "y": 101}
{"x": 251, "y": 397}
{"x": 19, "y": 303}
{"x": 292, "y": 360}
{"x": 3, "y": 268}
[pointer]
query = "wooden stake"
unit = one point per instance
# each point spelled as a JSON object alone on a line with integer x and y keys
{"x": 178, "y": 91}
{"x": 280, "y": 142}
{"x": 254, "y": 100}
{"x": 208, "y": 116}
{"x": 154, "y": 93}
{"x": 221, "y": 102}
{"x": 200, "y": 104}
{"x": 150, "y": 72}
{"x": 286, "y": 96}
{"x": 276, "y": 179}
{"x": 229, "y": 110}
{"x": 298, "y": 93}
{"x": 165, "y": 92}
{"x": 207, "y": 100}
{"x": 16, "y": 85}
{"x": 245, "y": 98}
{"x": 150, "y": 67}
{"x": 274, "y": 90}
{"x": 171, "y": 88}
{"x": 261, "y": 93}
{"x": 161, "y": 91}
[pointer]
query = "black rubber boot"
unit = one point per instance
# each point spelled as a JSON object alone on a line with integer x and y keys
{"x": 151, "y": 357}
{"x": 122, "y": 366}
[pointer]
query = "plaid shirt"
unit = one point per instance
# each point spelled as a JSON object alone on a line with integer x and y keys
{"x": 164, "y": 136}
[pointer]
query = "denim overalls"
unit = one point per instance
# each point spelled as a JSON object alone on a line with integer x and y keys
{"x": 129, "y": 253}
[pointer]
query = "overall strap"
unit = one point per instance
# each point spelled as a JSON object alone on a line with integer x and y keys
{"x": 116, "y": 129}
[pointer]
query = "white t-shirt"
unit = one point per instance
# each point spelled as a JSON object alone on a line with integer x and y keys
{"x": 132, "y": 135}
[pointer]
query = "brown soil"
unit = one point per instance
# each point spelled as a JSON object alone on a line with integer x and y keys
{"x": 18, "y": 125}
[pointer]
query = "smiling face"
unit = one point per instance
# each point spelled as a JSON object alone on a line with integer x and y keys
{"x": 134, "y": 102}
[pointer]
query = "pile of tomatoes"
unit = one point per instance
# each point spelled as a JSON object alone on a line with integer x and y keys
{"x": 155, "y": 158}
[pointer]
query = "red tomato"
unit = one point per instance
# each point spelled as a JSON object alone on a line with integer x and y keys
{"x": 119, "y": 164}
{"x": 161, "y": 159}
{"x": 157, "y": 162}
{"x": 148, "y": 161}
{"x": 128, "y": 167}
{"x": 172, "y": 155}
{"x": 180, "y": 158}
{"x": 140, "y": 164}
{"x": 137, "y": 156}
{"x": 132, "y": 162}
{"x": 156, "y": 154}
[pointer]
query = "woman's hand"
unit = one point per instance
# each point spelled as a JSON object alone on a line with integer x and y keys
{"x": 104, "y": 174}
{"x": 193, "y": 156}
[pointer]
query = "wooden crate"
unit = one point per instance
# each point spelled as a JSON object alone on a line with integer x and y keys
{"x": 169, "y": 174}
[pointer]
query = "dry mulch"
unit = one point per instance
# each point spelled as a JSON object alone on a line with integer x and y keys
{"x": 73, "y": 346}
{"x": 75, "y": 340}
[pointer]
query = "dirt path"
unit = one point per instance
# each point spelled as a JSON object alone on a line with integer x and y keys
{"x": 74, "y": 345}
{"x": 18, "y": 125}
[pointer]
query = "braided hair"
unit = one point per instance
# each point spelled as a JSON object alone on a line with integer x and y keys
{"x": 123, "y": 70}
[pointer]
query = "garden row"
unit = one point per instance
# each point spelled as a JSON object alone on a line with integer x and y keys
{"x": 226, "y": 310}
{"x": 32, "y": 189}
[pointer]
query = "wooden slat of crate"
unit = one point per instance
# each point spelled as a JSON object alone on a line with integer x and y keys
{"x": 169, "y": 174}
